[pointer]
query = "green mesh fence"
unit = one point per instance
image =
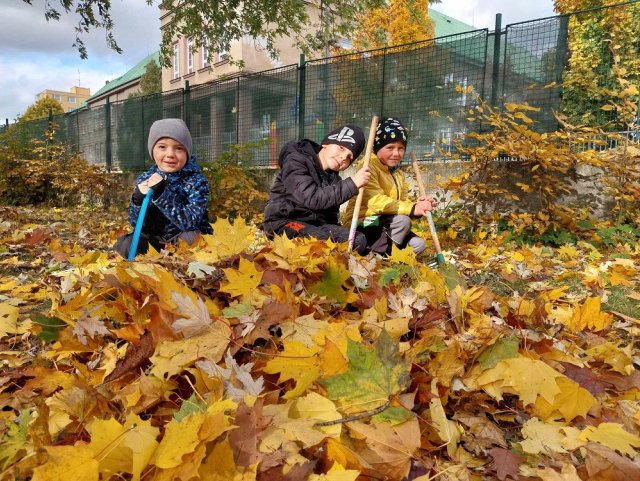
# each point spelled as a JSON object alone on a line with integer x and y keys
{"x": 432, "y": 86}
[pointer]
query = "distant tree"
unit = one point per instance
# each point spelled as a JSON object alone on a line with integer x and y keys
{"x": 150, "y": 82}
{"x": 396, "y": 23}
{"x": 40, "y": 109}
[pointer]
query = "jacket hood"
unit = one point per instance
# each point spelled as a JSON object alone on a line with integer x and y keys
{"x": 304, "y": 146}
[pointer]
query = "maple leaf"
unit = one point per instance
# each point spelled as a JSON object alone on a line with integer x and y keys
{"x": 504, "y": 348}
{"x": 332, "y": 283}
{"x": 171, "y": 357}
{"x": 297, "y": 362}
{"x": 197, "y": 317}
{"x": 373, "y": 375}
{"x": 572, "y": 401}
{"x": 9, "y": 320}
{"x": 124, "y": 447}
{"x": 238, "y": 381}
{"x": 614, "y": 436}
{"x": 505, "y": 463}
{"x": 449, "y": 431}
{"x": 389, "y": 448}
{"x": 226, "y": 241}
{"x": 243, "y": 280}
{"x": 528, "y": 378}
{"x": 540, "y": 437}
{"x": 14, "y": 439}
{"x": 64, "y": 460}
{"x": 89, "y": 326}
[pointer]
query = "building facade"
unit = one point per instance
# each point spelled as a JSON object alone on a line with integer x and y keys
{"x": 70, "y": 100}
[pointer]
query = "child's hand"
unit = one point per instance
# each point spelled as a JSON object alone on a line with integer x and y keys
{"x": 424, "y": 205}
{"x": 362, "y": 177}
{"x": 152, "y": 181}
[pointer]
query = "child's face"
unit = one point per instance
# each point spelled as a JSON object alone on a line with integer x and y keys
{"x": 391, "y": 154}
{"x": 335, "y": 157}
{"x": 169, "y": 155}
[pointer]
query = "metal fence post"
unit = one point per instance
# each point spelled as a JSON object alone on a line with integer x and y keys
{"x": 302, "y": 70}
{"x": 187, "y": 104}
{"x": 497, "y": 34}
{"x": 384, "y": 73}
{"x": 107, "y": 130}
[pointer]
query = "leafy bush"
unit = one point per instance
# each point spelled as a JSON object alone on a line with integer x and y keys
{"x": 41, "y": 171}
{"x": 234, "y": 187}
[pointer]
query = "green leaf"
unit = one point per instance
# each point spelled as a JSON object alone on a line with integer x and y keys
{"x": 394, "y": 415}
{"x": 237, "y": 311}
{"x": 330, "y": 286}
{"x": 190, "y": 406}
{"x": 373, "y": 374}
{"x": 50, "y": 326}
{"x": 505, "y": 348}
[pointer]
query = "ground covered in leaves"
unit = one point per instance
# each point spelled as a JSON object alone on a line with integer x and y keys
{"x": 246, "y": 359}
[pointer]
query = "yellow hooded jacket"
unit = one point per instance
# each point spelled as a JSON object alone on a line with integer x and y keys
{"x": 385, "y": 194}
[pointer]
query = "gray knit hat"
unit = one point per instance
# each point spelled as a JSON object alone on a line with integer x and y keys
{"x": 175, "y": 129}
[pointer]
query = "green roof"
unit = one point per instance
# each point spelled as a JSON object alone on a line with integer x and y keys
{"x": 446, "y": 25}
{"x": 132, "y": 74}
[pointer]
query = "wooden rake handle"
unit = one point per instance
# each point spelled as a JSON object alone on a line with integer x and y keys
{"x": 367, "y": 157}
{"x": 432, "y": 226}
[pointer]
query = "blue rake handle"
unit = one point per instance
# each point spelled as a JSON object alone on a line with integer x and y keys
{"x": 138, "y": 230}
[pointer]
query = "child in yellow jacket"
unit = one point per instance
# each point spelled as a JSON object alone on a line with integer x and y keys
{"x": 386, "y": 211}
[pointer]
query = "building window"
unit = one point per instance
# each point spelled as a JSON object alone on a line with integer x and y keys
{"x": 57, "y": 97}
{"x": 222, "y": 55}
{"x": 205, "y": 52}
{"x": 189, "y": 55}
{"x": 176, "y": 60}
{"x": 71, "y": 100}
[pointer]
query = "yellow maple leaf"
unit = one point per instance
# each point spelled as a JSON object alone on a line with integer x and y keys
{"x": 9, "y": 320}
{"x": 315, "y": 407}
{"x": 614, "y": 436}
{"x": 243, "y": 281}
{"x": 589, "y": 316}
{"x": 220, "y": 465}
{"x": 171, "y": 357}
{"x": 541, "y": 437}
{"x": 620, "y": 359}
{"x": 402, "y": 256}
{"x": 449, "y": 431}
{"x": 297, "y": 362}
{"x": 568, "y": 252}
{"x": 226, "y": 241}
{"x": 572, "y": 401}
{"x": 528, "y": 378}
{"x": 124, "y": 447}
{"x": 336, "y": 473}
{"x": 68, "y": 461}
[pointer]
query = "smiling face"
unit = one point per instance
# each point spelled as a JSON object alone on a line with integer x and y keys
{"x": 169, "y": 155}
{"x": 335, "y": 157}
{"x": 391, "y": 154}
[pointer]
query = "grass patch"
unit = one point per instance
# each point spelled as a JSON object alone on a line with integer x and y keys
{"x": 620, "y": 301}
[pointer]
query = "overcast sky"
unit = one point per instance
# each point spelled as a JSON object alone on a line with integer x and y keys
{"x": 38, "y": 55}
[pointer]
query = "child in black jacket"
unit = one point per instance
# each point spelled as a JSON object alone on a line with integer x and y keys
{"x": 307, "y": 192}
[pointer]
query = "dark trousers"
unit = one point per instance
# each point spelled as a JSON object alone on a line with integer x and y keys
{"x": 123, "y": 243}
{"x": 336, "y": 233}
{"x": 390, "y": 230}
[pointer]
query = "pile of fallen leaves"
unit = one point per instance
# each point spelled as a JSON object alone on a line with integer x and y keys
{"x": 248, "y": 359}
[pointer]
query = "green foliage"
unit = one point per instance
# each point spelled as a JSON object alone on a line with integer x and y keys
{"x": 42, "y": 171}
{"x": 41, "y": 109}
{"x": 150, "y": 82}
{"x": 619, "y": 234}
{"x": 217, "y": 29}
{"x": 619, "y": 301}
{"x": 234, "y": 187}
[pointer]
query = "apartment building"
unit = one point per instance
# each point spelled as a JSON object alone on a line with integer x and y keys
{"x": 196, "y": 66}
{"x": 69, "y": 100}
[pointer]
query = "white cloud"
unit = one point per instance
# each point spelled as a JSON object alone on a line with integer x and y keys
{"x": 39, "y": 55}
{"x": 482, "y": 13}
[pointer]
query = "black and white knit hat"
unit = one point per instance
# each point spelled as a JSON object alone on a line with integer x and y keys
{"x": 174, "y": 129}
{"x": 389, "y": 130}
{"x": 349, "y": 136}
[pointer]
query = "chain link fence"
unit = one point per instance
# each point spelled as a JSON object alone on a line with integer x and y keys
{"x": 432, "y": 86}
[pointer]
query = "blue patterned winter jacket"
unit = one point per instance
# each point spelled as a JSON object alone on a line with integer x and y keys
{"x": 179, "y": 204}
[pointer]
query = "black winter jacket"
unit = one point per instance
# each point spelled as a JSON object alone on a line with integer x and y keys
{"x": 302, "y": 191}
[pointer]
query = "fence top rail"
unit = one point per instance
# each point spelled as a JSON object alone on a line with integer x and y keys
{"x": 403, "y": 46}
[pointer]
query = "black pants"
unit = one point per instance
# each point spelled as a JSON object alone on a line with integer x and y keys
{"x": 336, "y": 233}
{"x": 123, "y": 243}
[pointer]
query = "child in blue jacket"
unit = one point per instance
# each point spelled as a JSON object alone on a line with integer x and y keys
{"x": 180, "y": 199}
